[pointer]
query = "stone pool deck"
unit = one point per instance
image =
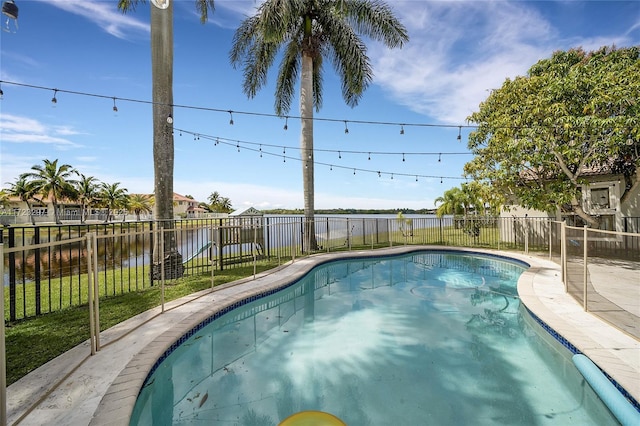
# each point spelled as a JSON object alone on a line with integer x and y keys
{"x": 79, "y": 389}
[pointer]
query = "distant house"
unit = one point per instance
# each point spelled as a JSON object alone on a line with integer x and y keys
{"x": 186, "y": 207}
{"x": 613, "y": 197}
{"x": 42, "y": 209}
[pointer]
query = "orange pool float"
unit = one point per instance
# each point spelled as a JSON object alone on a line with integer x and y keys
{"x": 312, "y": 418}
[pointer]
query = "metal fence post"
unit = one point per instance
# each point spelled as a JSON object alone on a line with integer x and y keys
{"x": 526, "y": 234}
{"x": 96, "y": 287}
{"x": 255, "y": 245}
{"x": 584, "y": 277}
{"x": 563, "y": 255}
{"x": 92, "y": 329}
{"x": 3, "y": 349}
{"x": 162, "y": 273}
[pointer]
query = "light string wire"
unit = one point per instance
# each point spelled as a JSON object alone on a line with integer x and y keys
{"x": 402, "y": 125}
{"x": 333, "y": 151}
{"x": 236, "y": 144}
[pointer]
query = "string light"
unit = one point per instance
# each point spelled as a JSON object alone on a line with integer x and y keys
{"x": 195, "y": 107}
{"x": 1, "y": 93}
{"x": 439, "y": 157}
{"x": 286, "y": 122}
{"x": 354, "y": 172}
{"x": 54, "y": 100}
{"x": 231, "y": 117}
{"x": 346, "y": 129}
{"x": 369, "y": 157}
{"x": 115, "y": 108}
{"x": 238, "y": 146}
{"x": 416, "y": 178}
{"x": 403, "y": 157}
{"x": 402, "y": 129}
{"x": 339, "y": 154}
{"x": 259, "y": 148}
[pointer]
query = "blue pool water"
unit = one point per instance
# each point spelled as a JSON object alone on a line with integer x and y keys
{"x": 425, "y": 338}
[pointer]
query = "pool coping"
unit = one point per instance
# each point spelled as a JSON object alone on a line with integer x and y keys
{"x": 102, "y": 389}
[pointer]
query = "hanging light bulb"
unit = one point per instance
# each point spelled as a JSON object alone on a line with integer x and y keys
{"x": 379, "y": 174}
{"x": 403, "y": 157}
{"x": 1, "y": 93}
{"x": 286, "y": 122}
{"x": 439, "y": 157}
{"x": 369, "y": 157}
{"x": 238, "y": 146}
{"x": 54, "y": 100}
{"x": 402, "y": 129}
{"x": 346, "y": 129}
{"x": 391, "y": 176}
{"x": 459, "y": 132}
{"x": 440, "y": 180}
{"x": 261, "y": 151}
{"x": 231, "y": 117}
{"x": 339, "y": 154}
{"x": 416, "y": 178}
{"x": 354, "y": 172}
{"x": 115, "y": 108}
{"x": 10, "y": 10}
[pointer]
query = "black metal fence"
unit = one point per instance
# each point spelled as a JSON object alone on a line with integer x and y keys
{"x": 45, "y": 266}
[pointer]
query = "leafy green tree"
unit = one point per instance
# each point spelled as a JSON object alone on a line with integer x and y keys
{"x": 450, "y": 202}
{"x": 112, "y": 197}
{"x": 162, "y": 95}
{"x": 572, "y": 114}
{"x": 218, "y": 203}
{"x": 4, "y": 199}
{"x": 86, "y": 194}
{"x": 52, "y": 180}
{"x": 26, "y": 191}
{"x": 307, "y": 32}
{"x": 225, "y": 205}
{"x": 214, "y": 199}
{"x": 140, "y": 203}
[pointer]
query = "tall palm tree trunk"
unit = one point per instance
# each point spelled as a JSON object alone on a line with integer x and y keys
{"x": 162, "y": 77}
{"x": 306, "y": 145}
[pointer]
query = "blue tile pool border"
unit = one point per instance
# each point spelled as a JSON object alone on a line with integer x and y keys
{"x": 239, "y": 303}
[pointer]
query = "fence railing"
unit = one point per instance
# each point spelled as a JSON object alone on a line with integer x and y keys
{"x": 45, "y": 267}
{"x": 601, "y": 270}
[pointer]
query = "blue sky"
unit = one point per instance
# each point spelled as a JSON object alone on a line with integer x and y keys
{"x": 459, "y": 50}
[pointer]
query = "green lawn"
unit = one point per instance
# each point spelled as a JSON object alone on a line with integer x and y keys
{"x": 34, "y": 341}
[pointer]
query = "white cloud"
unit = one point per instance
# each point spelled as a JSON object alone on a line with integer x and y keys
{"x": 104, "y": 14}
{"x": 20, "y": 129}
{"x": 458, "y": 50}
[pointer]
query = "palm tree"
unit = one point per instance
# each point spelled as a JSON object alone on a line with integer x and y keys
{"x": 139, "y": 203}
{"x": 225, "y": 205}
{"x": 26, "y": 191}
{"x": 450, "y": 202}
{"x": 112, "y": 197}
{"x": 308, "y": 31}
{"x": 4, "y": 199}
{"x": 214, "y": 199}
{"x": 162, "y": 81}
{"x": 51, "y": 180}
{"x": 86, "y": 194}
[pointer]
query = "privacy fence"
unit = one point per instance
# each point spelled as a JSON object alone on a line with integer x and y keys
{"x": 49, "y": 268}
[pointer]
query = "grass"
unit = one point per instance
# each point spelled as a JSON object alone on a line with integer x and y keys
{"x": 32, "y": 342}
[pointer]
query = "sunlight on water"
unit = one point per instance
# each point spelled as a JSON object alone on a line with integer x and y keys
{"x": 428, "y": 338}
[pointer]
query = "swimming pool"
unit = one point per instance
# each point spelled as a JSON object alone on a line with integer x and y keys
{"x": 426, "y": 337}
